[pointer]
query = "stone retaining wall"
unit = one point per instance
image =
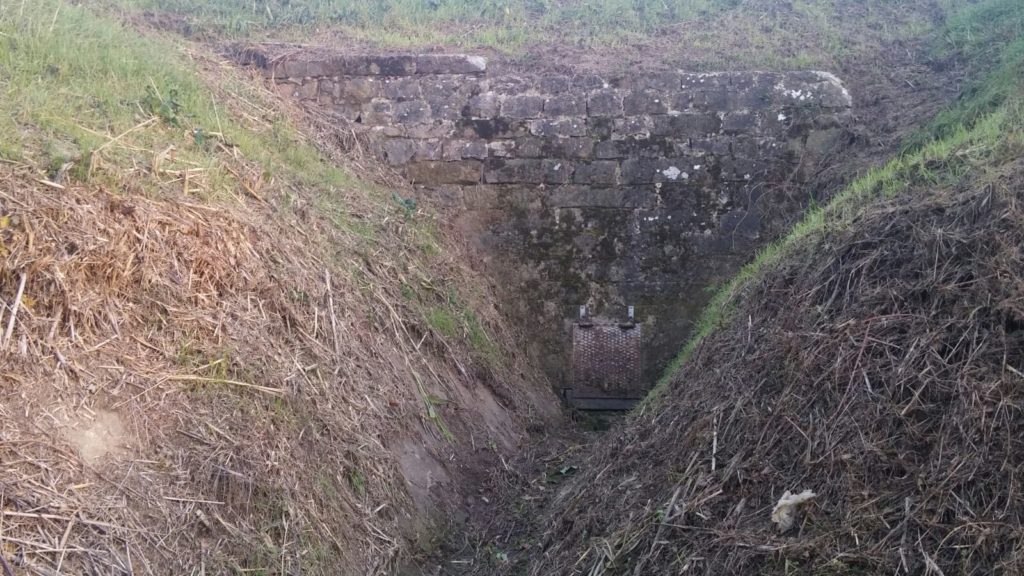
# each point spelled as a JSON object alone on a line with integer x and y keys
{"x": 600, "y": 191}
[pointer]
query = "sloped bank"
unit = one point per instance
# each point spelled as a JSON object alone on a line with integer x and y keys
{"x": 874, "y": 359}
{"x": 220, "y": 353}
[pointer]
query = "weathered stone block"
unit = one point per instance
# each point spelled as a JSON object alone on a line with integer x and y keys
{"x": 703, "y": 80}
{"x": 739, "y": 122}
{"x": 431, "y": 129}
{"x": 580, "y": 148}
{"x": 637, "y": 102}
{"x": 388, "y": 131}
{"x": 292, "y": 69}
{"x": 553, "y": 84}
{"x": 455, "y": 88}
{"x": 712, "y": 145}
{"x": 549, "y": 127}
{"x": 821, "y": 142}
{"x": 484, "y": 105}
{"x": 461, "y": 172}
{"x": 741, "y": 224}
{"x": 738, "y": 169}
{"x": 588, "y": 82}
{"x": 511, "y": 85}
{"x": 450, "y": 64}
{"x": 287, "y": 89}
{"x": 398, "y": 151}
{"x": 514, "y": 171}
{"x": 557, "y": 171}
{"x": 452, "y": 149}
{"x": 662, "y": 81}
{"x": 600, "y": 127}
{"x": 327, "y": 90}
{"x": 480, "y": 197}
{"x": 446, "y": 95}
{"x": 522, "y": 106}
{"x": 531, "y": 148}
{"x": 572, "y": 148}
{"x": 654, "y": 147}
{"x": 753, "y": 97}
{"x": 574, "y": 196}
{"x": 681, "y": 101}
{"x": 490, "y": 129}
{"x": 832, "y": 93}
{"x": 638, "y": 171}
{"x": 463, "y": 149}
{"x": 745, "y": 80}
{"x": 609, "y": 149}
{"x": 565, "y": 105}
{"x": 604, "y": 102}
{"x": 427, "y": 150}
{"x": 713, "y": 100}
{"x": 411, "y": 112}
{"x": 655, "y": 170}
{"x": 389, "y": 65}
{"x": 633, "y": 126}
{"x": 401, "y": 89}
{"x": 502, "y": 148}
{"x": 358, "y": 90}
{"x": 444, "y": 109}
{"x": 445, "y": 195}
{"x": 309, "y": 89}
{"x": 597, "y": 173}
{"x": 686, "y": 125}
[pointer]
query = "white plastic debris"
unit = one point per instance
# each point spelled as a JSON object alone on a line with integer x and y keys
{"x": 672, "y": 172}
{"x": 784, "y": 513}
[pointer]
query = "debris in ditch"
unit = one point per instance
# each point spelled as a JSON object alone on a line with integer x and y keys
{"x": 784, "y": 513}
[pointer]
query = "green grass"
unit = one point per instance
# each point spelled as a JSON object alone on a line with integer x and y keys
{"x": 396, "y": 22}
{"x": 455, "y": 321}
{"x": 982, "y": 130}
{"x": 702, "y": 34}
{"x": 79, "y": 87}
{"x": 971, "y": 31}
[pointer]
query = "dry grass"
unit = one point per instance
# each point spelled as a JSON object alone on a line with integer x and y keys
{"x": 212, "y": 370}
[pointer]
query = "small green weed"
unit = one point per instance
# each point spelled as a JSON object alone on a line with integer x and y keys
{"x": 357, "y": 480}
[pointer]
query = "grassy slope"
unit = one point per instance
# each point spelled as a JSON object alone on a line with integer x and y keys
{"x": 138, "y": 139}
{"x": 74, "y": 81}
{"x": 701, "y": 34}
{"x": 83, "y": 90}
{"x": 989, "y": 119}
{"x": 497, "y": 23}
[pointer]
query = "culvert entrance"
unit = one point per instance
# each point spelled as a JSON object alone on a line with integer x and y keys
{"x": 640, "y": 190}
{"x": 607, "y": 364}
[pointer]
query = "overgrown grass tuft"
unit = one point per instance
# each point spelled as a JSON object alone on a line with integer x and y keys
{"x": 983, "y": 129}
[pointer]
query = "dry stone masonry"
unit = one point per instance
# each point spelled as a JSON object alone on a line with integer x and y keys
{"x": 601, "y": 191}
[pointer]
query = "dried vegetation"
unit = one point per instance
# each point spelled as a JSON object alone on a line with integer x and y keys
{"x": 881, "y": 368}
{"x": 214, "y": 354}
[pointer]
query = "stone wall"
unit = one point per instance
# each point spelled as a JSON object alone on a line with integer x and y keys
{"x": 586, "y": 190}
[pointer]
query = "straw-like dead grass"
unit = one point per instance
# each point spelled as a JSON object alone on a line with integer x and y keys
{"x": 200, "y": 382}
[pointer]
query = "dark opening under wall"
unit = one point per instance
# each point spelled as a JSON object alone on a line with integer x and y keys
{"x": 582, "y": 190}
